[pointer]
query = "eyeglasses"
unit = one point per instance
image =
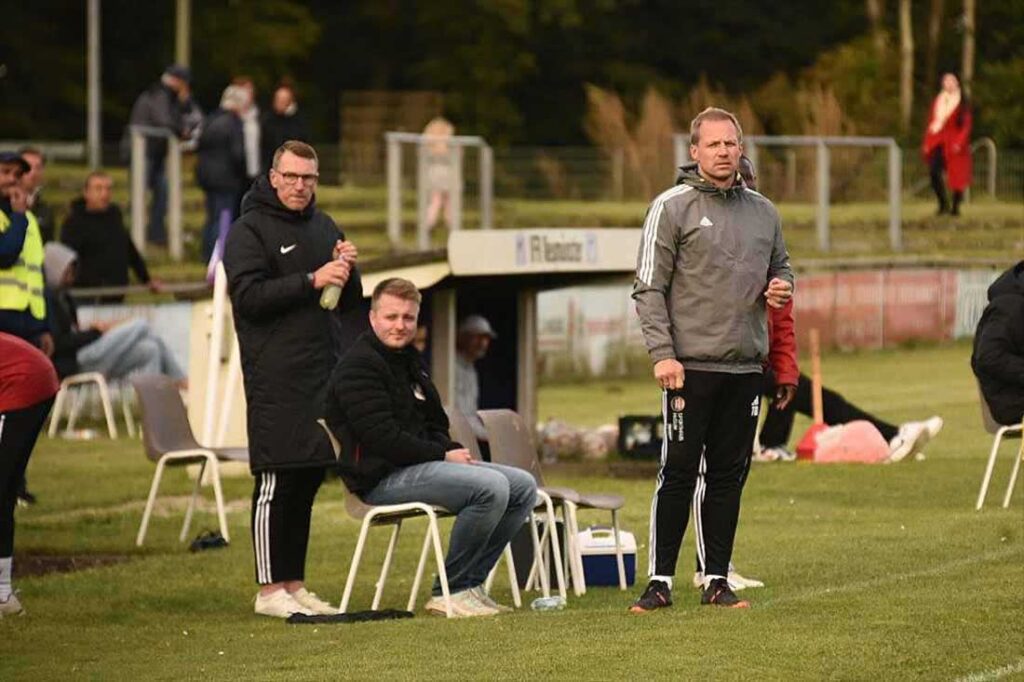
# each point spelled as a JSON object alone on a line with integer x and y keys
{"x": 293, "y": 178}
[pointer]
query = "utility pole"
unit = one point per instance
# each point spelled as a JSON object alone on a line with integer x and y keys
{"x": 93, "y": 132}
{"x": 906, "y": 65}
{"x": 967, "y": 68}
{"x": 182, "y": 37}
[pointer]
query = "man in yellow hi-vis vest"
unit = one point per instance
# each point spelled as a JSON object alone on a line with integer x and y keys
{"x": 22, "y": 304}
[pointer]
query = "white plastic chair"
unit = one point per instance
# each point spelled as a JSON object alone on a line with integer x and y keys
{"x": 393, "y": 515}
{"x": 70, "y": 398}
{"x": 999, "y": 431}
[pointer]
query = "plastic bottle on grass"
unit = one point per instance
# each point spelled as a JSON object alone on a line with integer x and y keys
{"x": 548, "y": 604}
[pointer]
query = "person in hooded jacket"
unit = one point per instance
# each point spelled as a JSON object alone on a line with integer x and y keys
{"x": 998, "y": 357}
{"x": 280, "y": 254}
{"x": 114, "y": 349}
{"x": 220, "y": 169}
{"x": 95, "y": 231}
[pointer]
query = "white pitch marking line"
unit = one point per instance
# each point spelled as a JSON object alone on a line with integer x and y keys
{"x": 995, "y": 673}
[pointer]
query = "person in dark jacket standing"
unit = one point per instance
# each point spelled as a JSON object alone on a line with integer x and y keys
{"x": 998, "y": 357}
{"x": 95, "y": 230}
{"x": 280, "y": 254}
{"x": 711, "y": 255}
{"x": 385, "y": 406}
{"x": 220, "y": 170}
{"x": 283, "y": 122}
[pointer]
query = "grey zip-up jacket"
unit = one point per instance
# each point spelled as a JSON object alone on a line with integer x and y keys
{"x": 706, "y": 256}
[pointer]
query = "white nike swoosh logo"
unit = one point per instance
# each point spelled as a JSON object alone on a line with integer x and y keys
{"x": 286, "y": 249}
{"x": 705, "y": 222}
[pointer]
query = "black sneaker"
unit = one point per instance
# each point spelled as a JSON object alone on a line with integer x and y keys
{"x": 718, "y": 593}
{"x": 657, "y": 595}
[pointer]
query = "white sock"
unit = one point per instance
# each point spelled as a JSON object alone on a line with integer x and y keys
{"x": 5, "y": 578}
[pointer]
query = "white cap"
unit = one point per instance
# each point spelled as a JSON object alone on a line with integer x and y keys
{"x": 477, "y": 324}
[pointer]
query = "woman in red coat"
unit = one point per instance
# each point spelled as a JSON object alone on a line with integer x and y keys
{"x": 947, "y": 143}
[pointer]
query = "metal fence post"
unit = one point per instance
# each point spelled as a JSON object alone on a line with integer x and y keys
{"x": 138, "y": 190}
{"x": 174, "y": 236}
{"x": 455, "y": 190}
{"x": 750, "y": 149}
{"x": 394, "y": 190}
{"x": 895, "y": 197}
{"x": 486, "y": 187}
{"x": 824, "y": 241}
{"x": 422, "y": 195}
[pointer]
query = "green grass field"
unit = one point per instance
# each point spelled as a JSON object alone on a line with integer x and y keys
{"x": 872, "y": 572}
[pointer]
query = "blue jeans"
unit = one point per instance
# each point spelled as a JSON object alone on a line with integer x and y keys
{"x": 217, "y": 204}
{"x": 129, "y": 347}
{"x": 491, "y": 503}
{"x": 156, "y": 182}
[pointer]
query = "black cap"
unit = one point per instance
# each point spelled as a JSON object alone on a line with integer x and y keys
{"x": 179, "y": 71}
{"x": 15, "y": 158}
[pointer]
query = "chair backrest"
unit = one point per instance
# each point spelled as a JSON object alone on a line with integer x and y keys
{"x": 511, "y": 442}
{"x": 461, "y": 431}
{"x": 165, "y": 425}
{"x": 354, "y": 505}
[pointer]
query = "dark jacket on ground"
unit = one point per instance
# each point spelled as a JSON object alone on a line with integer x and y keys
{"x": 289, "y": 344}
{"x": 105, "y": 249}
{"x": 275, "y": 130}
{"x": 998, "y": 357}
{"x": 386, "y": 411}
{"x": 221, "y": 164}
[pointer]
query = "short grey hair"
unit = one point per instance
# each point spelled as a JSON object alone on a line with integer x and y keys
{"x": 713, "y": 114}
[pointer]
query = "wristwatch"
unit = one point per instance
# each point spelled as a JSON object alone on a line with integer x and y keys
{"x": 310, "y": 278}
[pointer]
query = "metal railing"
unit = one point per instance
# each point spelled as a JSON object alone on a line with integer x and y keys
{"x": 457, "y": 144}
{"x": 138, "y": 188}
{"x": 822, "y": 145}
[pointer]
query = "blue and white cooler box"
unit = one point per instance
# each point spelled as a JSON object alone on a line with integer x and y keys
{"x": 597, "y": 547}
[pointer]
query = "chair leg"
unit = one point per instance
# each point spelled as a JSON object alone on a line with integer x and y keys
{"x": 76, "y": 407}
{"x": 126, "y": 410}
{"x": 538, "y": 571}
{"x": 386, "y": 566}
{"x": 513, "y": 579}
{"x": 58, "y": 406}
{"x": 218, "y": 496}
{"x": 108, "y": 410}
{"x": 1013, "y": 476}
{"x": 192, "y": 503}
{"x": 618, "y": 550}
{"x": 555, "y": 549}
{"x": 579, "y": 580}
{"x": 442, "y": 574}
{"x": 357, "y": 555}
{"x": 988, "y": 469}
{"x": 418, "y": 579}
{"x": 150, "y": 502}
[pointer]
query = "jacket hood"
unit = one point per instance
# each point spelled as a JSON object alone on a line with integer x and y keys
{"x": 689, "y": 175}
{"x": 1010, "y": 283}
{"x": 262, "y": 198}
{"x": 56, "y": 259}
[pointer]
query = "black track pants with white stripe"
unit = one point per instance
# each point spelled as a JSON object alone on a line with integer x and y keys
{"x": 705, "y": 459}
{"x": 282, "y": 504}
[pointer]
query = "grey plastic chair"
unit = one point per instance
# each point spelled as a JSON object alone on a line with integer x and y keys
{"x": 512, "y": 443}
{"x": 168, "y": 440}
{"x": 1000, "y": 431}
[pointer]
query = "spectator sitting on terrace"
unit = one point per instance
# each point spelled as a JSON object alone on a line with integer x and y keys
{"x": 95, "y": 231}
{"x": 112, "y": 349}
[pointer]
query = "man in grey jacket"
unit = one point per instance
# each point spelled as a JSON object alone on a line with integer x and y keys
{"x": 711, "y": 257}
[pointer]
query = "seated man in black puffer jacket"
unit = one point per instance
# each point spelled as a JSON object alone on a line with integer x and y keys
{"x": 388, "y": 415}
{"x": 998, "y": 358}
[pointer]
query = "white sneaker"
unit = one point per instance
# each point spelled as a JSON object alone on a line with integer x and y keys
{"x": 312, "y": 602}
{"x": 776, "y": 454}
{"x": 911, "y": 438}
{"x": 934, "y": 425}
{"x": 736, "y": 581}
{"x": 464, "y": 605}
{"x": 279, "y": 604}
{"x": 485, "y": 599}
{"x": 11, "y": 606}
